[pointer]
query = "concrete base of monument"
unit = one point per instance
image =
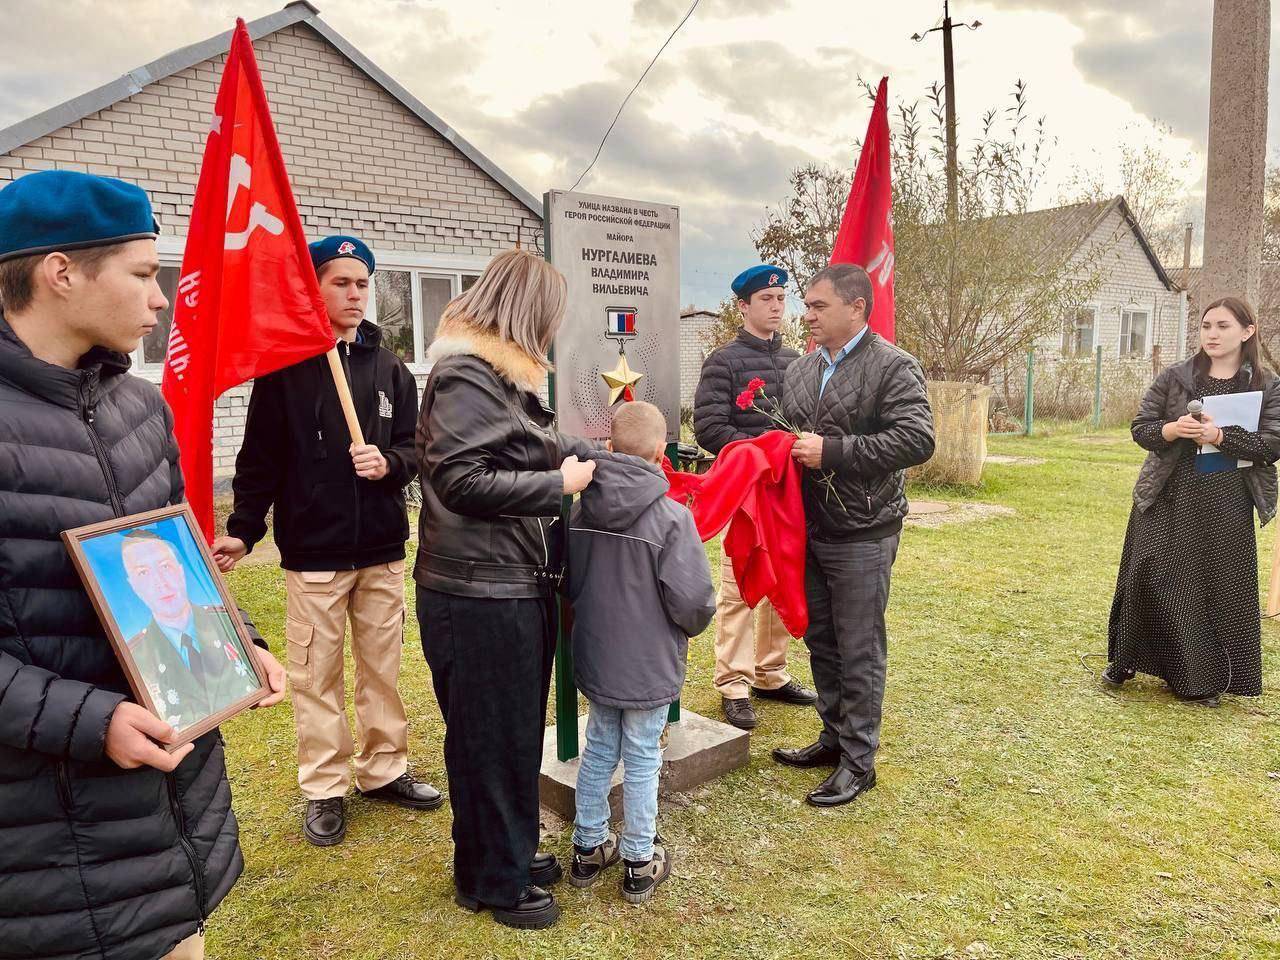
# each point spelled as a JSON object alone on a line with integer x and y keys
{"x": 698, "y": 750}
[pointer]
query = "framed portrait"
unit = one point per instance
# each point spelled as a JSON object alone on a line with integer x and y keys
{"x": 171, "y": 619}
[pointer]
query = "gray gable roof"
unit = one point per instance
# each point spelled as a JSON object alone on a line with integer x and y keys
{"x": 299, "y": 11}
{"x": 1075, "y": 223}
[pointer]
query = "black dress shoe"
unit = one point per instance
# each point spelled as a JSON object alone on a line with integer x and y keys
{"x": 545, "y": 870}
{"x": 405, "y": 791}
{"x": 535, "y": 910}
{"x": 814, "y": 755}
{"x": 740, "y": 713}
{"x": 325, "y": 822}
{"x": 789, "y": 692}
{"x": 843, "y": 786}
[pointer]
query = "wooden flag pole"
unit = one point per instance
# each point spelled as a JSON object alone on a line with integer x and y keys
{"x": 1273, "y": 595}
{"x": 344, "y": 396}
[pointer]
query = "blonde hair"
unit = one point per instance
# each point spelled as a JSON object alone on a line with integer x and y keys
{"x": 520, "y": 298}
{"x": 638, "y": 428}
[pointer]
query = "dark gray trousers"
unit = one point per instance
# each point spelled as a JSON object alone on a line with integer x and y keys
{"x": 847, "y": 588}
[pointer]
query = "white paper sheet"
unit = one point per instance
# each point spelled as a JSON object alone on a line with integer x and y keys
{"x": 1234, "y": 410}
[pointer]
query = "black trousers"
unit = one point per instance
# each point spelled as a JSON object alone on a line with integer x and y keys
{"x": 491, "y": 668}
{"x": 847, "y": 588}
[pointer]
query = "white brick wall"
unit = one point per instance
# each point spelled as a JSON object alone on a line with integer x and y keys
{"x": 360, "y": 162}
{"x": 693, "y": 350}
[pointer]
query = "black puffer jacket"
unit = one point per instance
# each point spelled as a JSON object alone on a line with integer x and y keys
{"x": 717, "y": 421}
{"x": 875, "y": 421}
{"x": 490, "y": 465}
{"x": 95, "y": 861}
{"x": 1166, "y": 400}
{"x": 295, "y": 457}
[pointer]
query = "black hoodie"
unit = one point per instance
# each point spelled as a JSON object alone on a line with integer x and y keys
{"x": 295, "y": 457}
{"x": 639, "y": 583}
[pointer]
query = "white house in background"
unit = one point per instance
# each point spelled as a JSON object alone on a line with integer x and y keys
{"x": 363, "y": 154}
{"x": 1137, "y": 308}
{"x": 694, "y": 326}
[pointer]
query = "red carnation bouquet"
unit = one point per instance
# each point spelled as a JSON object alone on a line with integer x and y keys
{"x": 751, "y": 398}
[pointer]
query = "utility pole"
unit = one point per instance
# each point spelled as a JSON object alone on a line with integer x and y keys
{"x": 949, "y": 83}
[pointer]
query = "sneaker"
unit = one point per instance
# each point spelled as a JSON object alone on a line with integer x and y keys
{"x": 589, "y": 864}
{"x": 325, "y": 822}
{"x": 640, "y": 880}
{"x": 739, "y": 712}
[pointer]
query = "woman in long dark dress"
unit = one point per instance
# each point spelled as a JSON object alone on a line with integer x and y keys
{"x": 1186, "y": 603}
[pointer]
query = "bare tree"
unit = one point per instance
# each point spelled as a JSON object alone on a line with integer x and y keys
{"x": 970, "y": 294}
{"x": 799, "y": 232}
{"x": 1153, "y": 182}
{"x": 973, "y": 293}
{"x": 1271, "y": 215}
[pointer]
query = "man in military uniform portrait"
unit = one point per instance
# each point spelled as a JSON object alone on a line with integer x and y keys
{"x": 190, "y": 657}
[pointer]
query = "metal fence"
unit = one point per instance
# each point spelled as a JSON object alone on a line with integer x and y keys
{"x": 1049, "y": 394}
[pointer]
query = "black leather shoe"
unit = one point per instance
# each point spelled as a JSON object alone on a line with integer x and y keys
{"x": 740, "y": 713}
{"x": 814, "y": 755}
{"x": 404, "y": 791}
{"x": 545, "y": 870}
{"x": 535, "y": 910}
{"x": 1114, "y": 676}
{"x": 843, "y": 786}
{"x": 789, "y": 692}
{"x": 325, "y": 822}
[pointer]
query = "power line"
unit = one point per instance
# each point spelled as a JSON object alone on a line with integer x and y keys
{"x": 693, "y": 7}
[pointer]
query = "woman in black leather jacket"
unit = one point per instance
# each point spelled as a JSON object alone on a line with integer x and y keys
{"x": 494, "y": 472}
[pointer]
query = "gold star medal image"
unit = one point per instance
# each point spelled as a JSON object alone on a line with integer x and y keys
{"x": 621, "y": 380}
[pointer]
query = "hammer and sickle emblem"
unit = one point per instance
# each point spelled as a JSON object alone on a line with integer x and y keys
{"x": 259, "y": 216}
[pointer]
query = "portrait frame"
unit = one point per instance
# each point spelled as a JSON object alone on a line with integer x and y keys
{"x": 86, "y": 546}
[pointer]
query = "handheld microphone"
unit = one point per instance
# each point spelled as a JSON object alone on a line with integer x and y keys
{"x": 1196, "y": 409}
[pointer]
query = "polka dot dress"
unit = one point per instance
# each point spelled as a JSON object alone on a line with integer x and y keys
{"x": 1186, "y": 604}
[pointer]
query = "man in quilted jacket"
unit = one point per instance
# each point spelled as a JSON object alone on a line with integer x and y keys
{"x": 864, "y": 410}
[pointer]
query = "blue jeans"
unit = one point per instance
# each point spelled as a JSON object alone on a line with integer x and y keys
{"x": 632, "y": 737}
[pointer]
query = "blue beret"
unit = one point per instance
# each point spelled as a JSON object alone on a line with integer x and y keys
{"x": 753, "y": 279}
{"x": 331, "y": 248}
{"x": 65, "y": 210}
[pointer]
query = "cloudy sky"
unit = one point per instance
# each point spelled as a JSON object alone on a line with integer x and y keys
{"x": 747, "y": 91}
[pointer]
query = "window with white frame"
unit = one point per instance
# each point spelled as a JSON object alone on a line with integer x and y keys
{"x": 1078, "y": 333}
{"x": 1133, "y": 332}
{"x": 407, "y": 304}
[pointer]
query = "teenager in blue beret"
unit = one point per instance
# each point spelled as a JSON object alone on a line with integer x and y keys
{"x": 134, "y": 846}
{"x": 341, "y": 523}
{"x": 751, "y": 645}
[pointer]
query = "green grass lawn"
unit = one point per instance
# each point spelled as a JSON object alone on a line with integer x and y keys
{"x": 1021, "y": 810}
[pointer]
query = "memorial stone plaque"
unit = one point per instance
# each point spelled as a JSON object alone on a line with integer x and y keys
{"x": 620, "y": 339}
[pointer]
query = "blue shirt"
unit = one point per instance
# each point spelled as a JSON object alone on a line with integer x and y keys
{"x": 175, "y": 637}
{"x": 833, "y": 363}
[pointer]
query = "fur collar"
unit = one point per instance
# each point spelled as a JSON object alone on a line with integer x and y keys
{"x": 459, "y": 339}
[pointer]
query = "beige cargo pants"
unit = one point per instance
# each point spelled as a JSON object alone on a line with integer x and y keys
{"x": 319, "y": 605}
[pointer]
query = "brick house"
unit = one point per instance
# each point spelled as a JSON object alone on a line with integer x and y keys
{"x": 364, "y": 157}
{"x": 694, "y": 326}
{"x": 1137, "y": 309}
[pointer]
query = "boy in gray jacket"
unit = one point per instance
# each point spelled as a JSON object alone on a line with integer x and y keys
{"x": 640, "y": 587}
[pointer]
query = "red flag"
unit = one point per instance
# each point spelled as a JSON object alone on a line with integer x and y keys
{"x": 866, "y": 231}
{"x": 248, "y": 301}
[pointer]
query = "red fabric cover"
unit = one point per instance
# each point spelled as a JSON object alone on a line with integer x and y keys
{"x": 753, "y": 488}
{"x": 248, "y": 301}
